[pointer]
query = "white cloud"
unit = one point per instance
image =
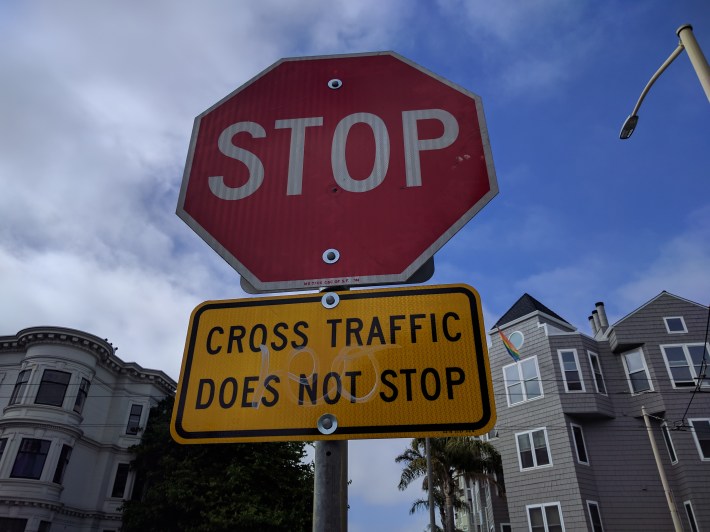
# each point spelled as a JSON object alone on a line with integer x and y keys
{"x": 681, "y": 266}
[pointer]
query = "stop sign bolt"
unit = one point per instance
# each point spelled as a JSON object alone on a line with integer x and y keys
{"x": 335, "y": 84}
{"x": 331, "y": 256}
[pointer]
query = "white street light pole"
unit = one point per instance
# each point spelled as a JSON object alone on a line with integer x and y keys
{"x": 700, "y": 64}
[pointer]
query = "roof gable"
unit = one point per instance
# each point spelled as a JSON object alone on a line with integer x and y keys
{"x": 653, "y": 300}
{"x": 524, "y": 306}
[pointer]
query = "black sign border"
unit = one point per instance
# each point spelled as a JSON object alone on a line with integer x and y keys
{"x": 360, "y": 431}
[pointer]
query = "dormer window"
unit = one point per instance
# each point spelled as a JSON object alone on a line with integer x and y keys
{"x": 675, "y": 325}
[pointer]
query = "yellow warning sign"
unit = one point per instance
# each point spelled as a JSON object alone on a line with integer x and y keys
{"x": 384, "y": 363}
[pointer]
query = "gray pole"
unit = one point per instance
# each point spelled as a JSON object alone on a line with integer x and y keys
{"x": 432, "y": 518}
{"x": 330, "y": 494}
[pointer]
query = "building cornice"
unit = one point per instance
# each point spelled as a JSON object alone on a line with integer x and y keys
{"x": 102, "y": 349}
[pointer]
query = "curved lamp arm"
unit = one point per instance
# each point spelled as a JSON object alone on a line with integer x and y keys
{"x": 687, "y": 42}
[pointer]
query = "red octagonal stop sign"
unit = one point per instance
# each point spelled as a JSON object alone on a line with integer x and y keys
{"x": 337, "y": 170}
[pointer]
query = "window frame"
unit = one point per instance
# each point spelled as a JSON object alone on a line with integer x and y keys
{"x": 697, "y": 440}
{"x": 542, "y": 507}
{"x": 682, "y": 322}
{"x": 122, "y": 479}
{"x": 670, "y": 446}
{"x": 690, "y": 364}
{"x": 577, "y": 442}
{"x": 518, "y": 368}
{"x": 591, "y": 503}
{"x": 82, "y": 393}
{"x": 47, "y": 388}
{"x": 62, "y": 463}
{"x": 133, "y": 424}
{"x": 590, "y": 356}
{"x": 578, "y": 369}
{"x": 690, "y": 514}
{"x": 32, "y": 458}
{"x": 18, "y": 391}
{"x": 629, "y": 380}
{"x": 531, "y": 442}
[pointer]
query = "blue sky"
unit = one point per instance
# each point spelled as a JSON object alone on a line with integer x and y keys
{"x": 97, "y": 106}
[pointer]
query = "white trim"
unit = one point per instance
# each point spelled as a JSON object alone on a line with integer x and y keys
{"x": 589, "y": 511}
{"x": 682, "y": 321}
{"x": 542, "y": 506}
{"x": 670, "y": 446}
{"x": 645, "y": 368}
{"x": 529, "y": 433}
{"x": 141, "y": 422}
{"x": 128, "y": 487}
{"x": 591, "y": 354}
{"x": 578, "y": 368}
{"x": 689, "y": 362}
{"x": 584, "y": 443}
{"x": 697, "y": 441}
{"x": 689, "y": 505}
{"x": 521, "y": 381}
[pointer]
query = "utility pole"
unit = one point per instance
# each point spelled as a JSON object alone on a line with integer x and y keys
{"x": 662, "y": 473}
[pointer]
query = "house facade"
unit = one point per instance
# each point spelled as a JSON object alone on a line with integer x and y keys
{"x": 576, "y": 447}
{"x": 70, "y": 409}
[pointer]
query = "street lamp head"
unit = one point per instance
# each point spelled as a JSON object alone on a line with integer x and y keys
{"x": 628, "y": 128}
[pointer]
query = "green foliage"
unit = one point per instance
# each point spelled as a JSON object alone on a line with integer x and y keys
{"x": 217, "y": 487}
{"x": 451, "y": 459}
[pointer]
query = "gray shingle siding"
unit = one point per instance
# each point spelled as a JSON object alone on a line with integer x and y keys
{"x": 622, "y": 476}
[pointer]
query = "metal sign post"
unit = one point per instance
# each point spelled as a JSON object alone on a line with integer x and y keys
{"x": 330, "y": 495}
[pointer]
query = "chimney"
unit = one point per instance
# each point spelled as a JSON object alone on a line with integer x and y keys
{"x": 593, "y": 325}
{"x": 597, "y": 325}
{"x": 603, "y": 322}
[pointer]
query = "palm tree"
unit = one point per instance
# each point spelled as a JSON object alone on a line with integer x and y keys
{"x": 451, "y": 459}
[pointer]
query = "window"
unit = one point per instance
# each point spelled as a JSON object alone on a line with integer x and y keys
{"x": 596, "y": 366}
{"x": 545, "y": 518}
{"x": 119, "y": 483}
{"x": 669, "y": 443}
{"x": 675, "y": 325}
{"x": 12, "y": 524}
{"x": 134, "y": 419}
{"x": 701, "y": 433}
{"x": 533, "y": 449}
{"x": 20, "y": 386}
{"x": 3, "y": 444}
{"x": 44, "y": 526}
{"x": 522, "y": 381}
{"x": 30, "y": 459}
{"x": 53, "y": 387}
{"x": 685, "y": 363}
{"x": 505, "y": 527}
{"x": 81, "y": 396}
{"x": 691, "y": 516}
{"x": 594, "y": 516}
{"x": 570, "y": 370}
{"x": 637, "y": 372}
{"x": 579, "y": 444}
{"x": 62, "y": 464}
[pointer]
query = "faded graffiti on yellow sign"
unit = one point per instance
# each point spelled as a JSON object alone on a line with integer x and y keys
{"x": 396, "y": 362}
